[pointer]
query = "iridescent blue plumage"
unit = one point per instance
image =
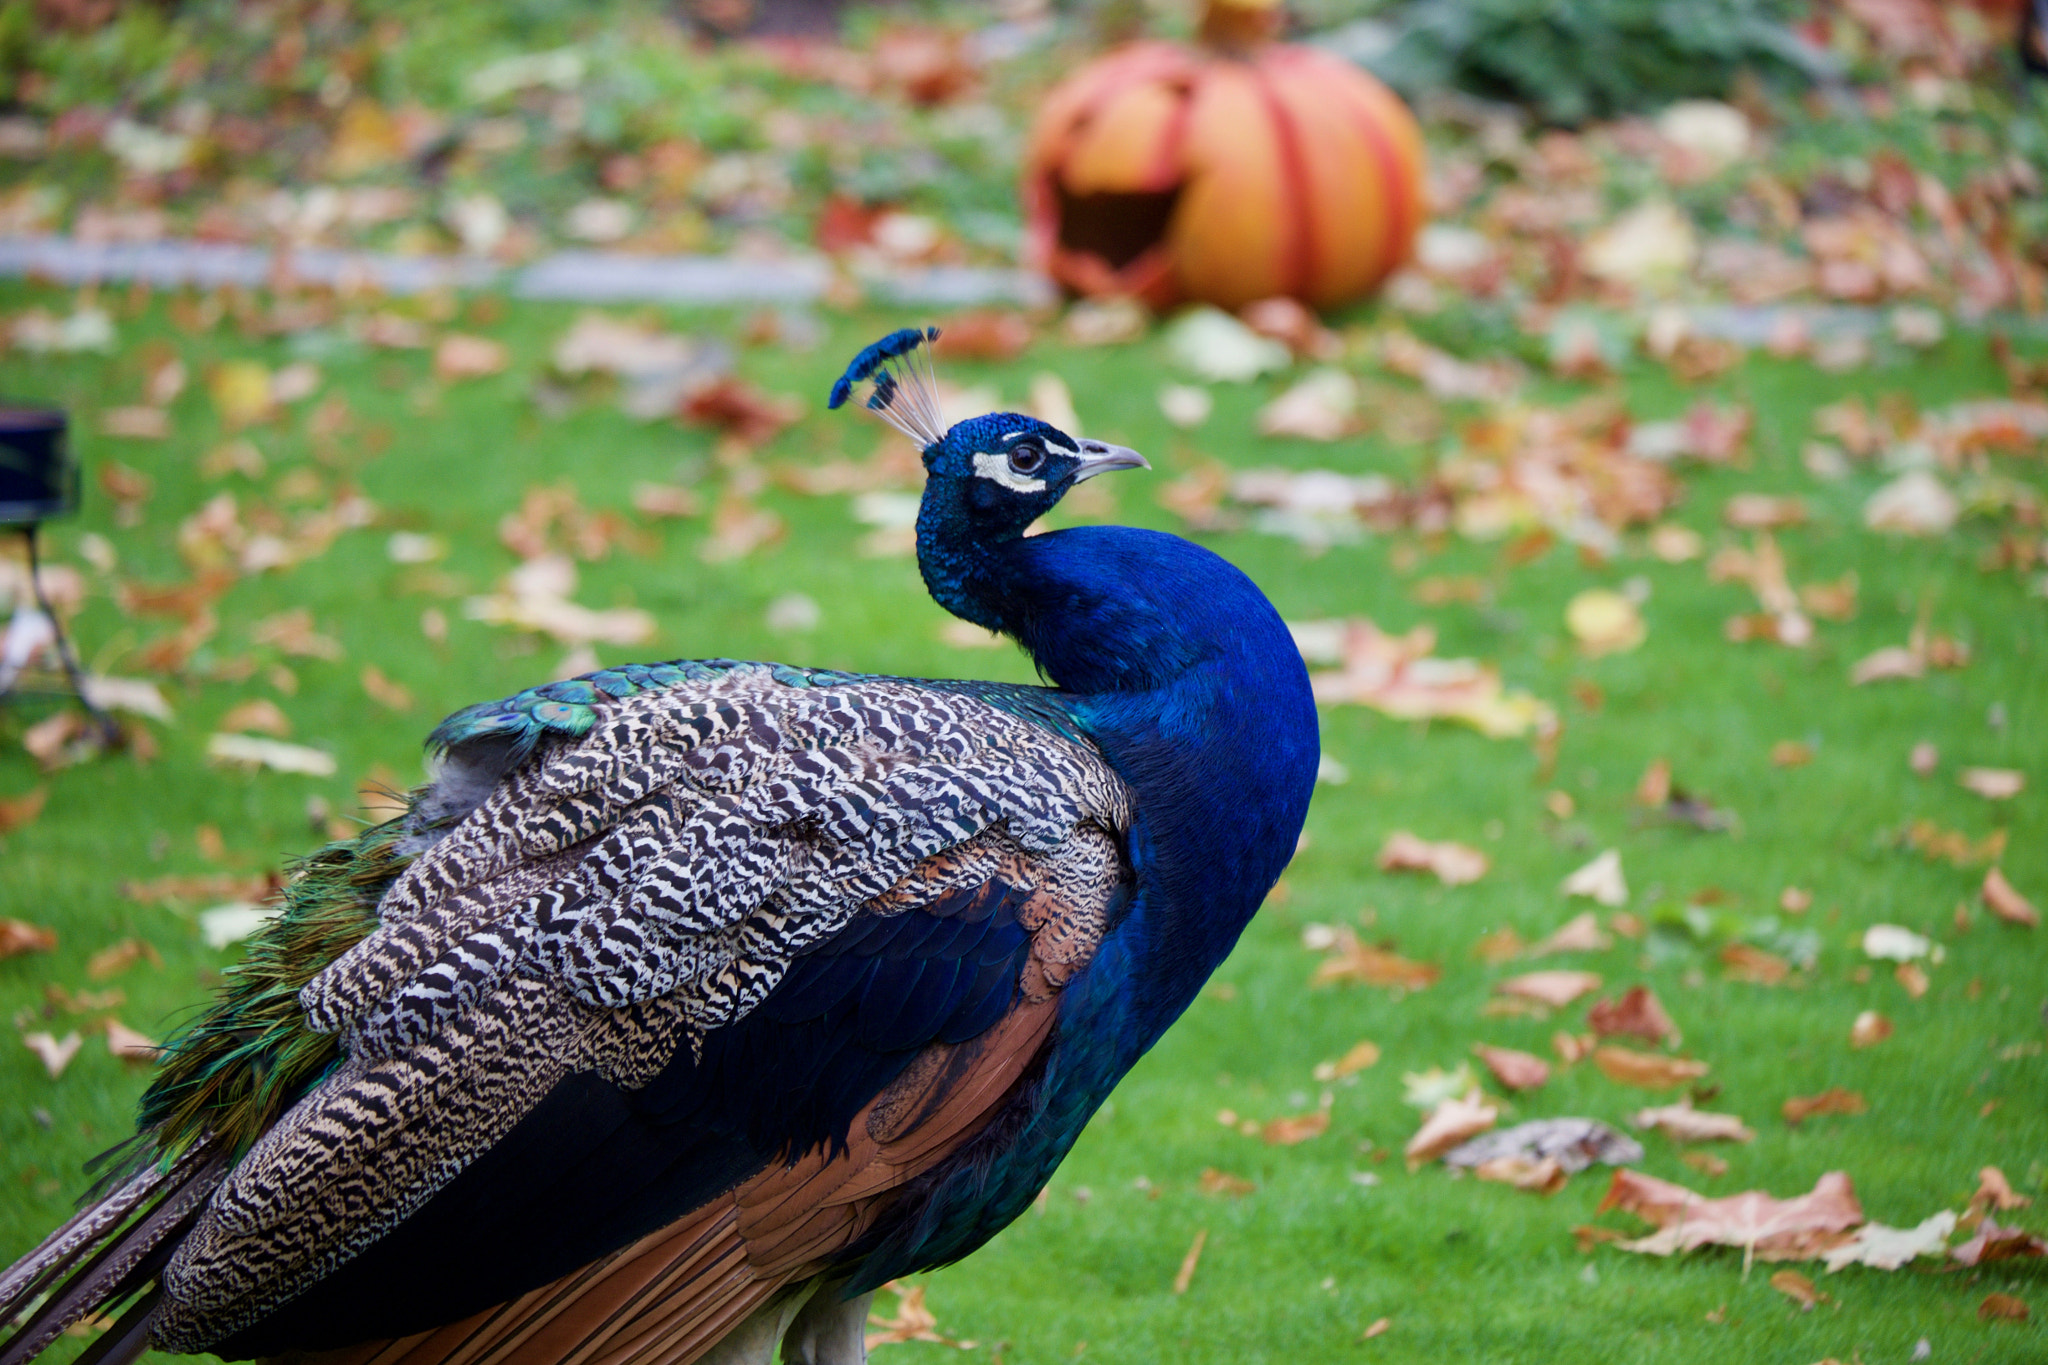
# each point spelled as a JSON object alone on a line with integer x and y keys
{"x": 894, "y": 346}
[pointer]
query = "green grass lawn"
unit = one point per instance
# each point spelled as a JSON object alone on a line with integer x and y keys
{"x": 1295, "y": 1271}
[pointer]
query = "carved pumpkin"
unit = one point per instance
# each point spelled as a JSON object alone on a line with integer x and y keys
{"x": 1232, "y": 170}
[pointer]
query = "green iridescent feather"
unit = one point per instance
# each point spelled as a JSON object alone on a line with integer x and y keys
{"x": 249, "y": 1057}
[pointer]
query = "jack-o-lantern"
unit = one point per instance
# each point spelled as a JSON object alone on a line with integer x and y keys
{"x": 1232, "y": 170}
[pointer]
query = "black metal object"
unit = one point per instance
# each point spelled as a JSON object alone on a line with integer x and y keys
{"x": 39, "y": 480}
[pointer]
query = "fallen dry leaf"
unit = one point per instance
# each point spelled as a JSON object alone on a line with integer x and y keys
{"x": 1454, "y": 864}
{"x": 1923, "y": 759}
{"x": 1604, "y": 622}
{"x": 1742, "y": 962}
{"x": 1545, "y": 1177}
{"x": 1499, "y": 945}
{"x": 1992, "y": 1242}
{"x": 1185, "y": 1276}
{"x": 1993, "y": 784}
{"x": 1910, "y": 976}
{"x": 1213, "y": 1181}
{"x": 2002, "y": 1308}
{"x": 1379, "y": 1327}
{"x": 1358, "y": 1058}
{"x": 261, "y": 716}
{"x": 1833, "y": 1100}
{"x": 1637, "y": 1014}
{"x": 250, "y": 751}
{"x": 1883, "y": 1248}
{"x": 469, "y": 357}
{"x": 1706, "y": 1163}
{"x": 1398, "y": 676}
{"x": 1573, "y": 1143}
{"x": 382, "y": 690}
{"x": 1323, "y": 406}
{"x": 1797, "y": 1288}
{"x": 56, "y": 1053}
{"x": 1601, "y": 880}
{"x": 16, "y": 811}
{"x": 1579, "y": 934}
{"x": 1914, "y": 504}
{"x": 1514, "y": 1070}
{"x": 1682, "y": 1123}
{"x": 1994, "y": 1191}
{"x": 119, "y": 957}
{"x": 1572, "y": 1048}
{"x": 1449, "y": 1124}
{"x": 1790, "y": 753}
{"x": 1895, "y": 943}
{"x": 1295, "y": 1128}
{"x": 1555, "y": 989}
{"x": 1650, "y": 1070}
{"x": 913, "y": 1321}
{"x": 1350, "y": 960}
{"x": 1870, "y": 1029}
{"x": 2002, "y": 900}
{"x": 1766, "y": 1228}
{"x": 19, "y": 936}
{"x": 128, "y": 1045}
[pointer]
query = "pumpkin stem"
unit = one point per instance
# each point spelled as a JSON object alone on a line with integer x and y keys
{"x": 1235, "y": 25}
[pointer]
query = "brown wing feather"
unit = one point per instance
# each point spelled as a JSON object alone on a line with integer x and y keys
{"x": 670, "y": 1297}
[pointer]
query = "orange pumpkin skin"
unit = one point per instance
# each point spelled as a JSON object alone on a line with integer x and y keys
{"x": 1296, "y": 174}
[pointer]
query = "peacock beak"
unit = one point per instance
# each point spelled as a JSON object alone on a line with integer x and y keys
{"x": 1099, "y": 457}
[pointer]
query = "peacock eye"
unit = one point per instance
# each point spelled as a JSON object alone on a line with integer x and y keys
{"x": 1027, "y": 457}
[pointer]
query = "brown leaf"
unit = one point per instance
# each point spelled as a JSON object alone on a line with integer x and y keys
{"x": 1790, "y": 753}
{"x": 1763, "y": 512}
{"x": 260, "y": 716}
{"x": 1833, "y": 1100}
{"x": 1454, "y": 864}
{"x": 1379, "y": 1327}
{"x": 19, "y": 936}
{"x": 56, "y": 1053}
{"x": 1217, "y": 1182}
{"x": 1358, "y": 1058}
{"x": 1742, "y": 962}
{"x": 128, "y": 1045}
{"x": 913, "y": 1321}
{"x": 1797, "y": 1288}
{"x": 1514, "y": 1070}
{"x": 291, "y": 632}
{"x": 1450, "y": 1123}
{"x": 1764, "y": 1227}
{"x": 1545, "y": 1177}
{"x": 1350, "y": 960}
{"x": 1555, "y": 989}
{"x": 1580, "y": 934}
{"x": 665, "y": 500}
{"x": 1638, "y": 1014}
{"x": 740, "y": 410}
{"x": 211, "y": 887}
{"x": 985, "y": 334}
{"x": 1912, "y": 977}
{"x": 1993, "y": 784}
{"x": 1294, "y": 1129}
{"x": 1996, "y": 1192}
{"x": 1650, "y": 1070}
{"x": 1682, "y": 1123}
{"x": 119, "y": 957}
{"x": 1500, "y": 945}
{"x": 1570, "y": 1048}
{"x": 2002, "y": 900}
{"x": 1870, "y": 1029}
{"x": 386, "y": 693}
{"x": 1185, "y": 1276}
{"x": 1994, "y": 1243}
{"x": 16, "y": 811}
{"x": 1398, "y": 676}
{"x": 2002, "y": 1308}
{"x": 1706, "y": 1163}
{"x": 469, "y": 357}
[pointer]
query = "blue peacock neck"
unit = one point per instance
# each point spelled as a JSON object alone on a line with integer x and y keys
{"x": 1182, "y": 672}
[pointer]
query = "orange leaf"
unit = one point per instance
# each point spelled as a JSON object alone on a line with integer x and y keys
{"x": 1298, "y": 1128}
{"x": 1833, "y": 1100}
{"x": 1555, "y": 989}
{"x": 1638, "y": 1014}
{"x": 1650, "y": 1070}
{"x": 2002, "y": 1307}
{"x": 1515, "y": 1070}
{"x": 2002, "y": 900}
{"x": 19, "y": 936}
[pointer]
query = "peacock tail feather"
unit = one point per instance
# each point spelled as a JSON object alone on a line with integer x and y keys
{"x": 249, "y": 1057}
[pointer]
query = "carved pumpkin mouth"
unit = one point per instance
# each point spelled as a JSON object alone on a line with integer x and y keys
{"x": 1115, "y": 227}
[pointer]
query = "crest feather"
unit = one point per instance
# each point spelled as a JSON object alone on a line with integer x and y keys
{"x": 904, "y": 386}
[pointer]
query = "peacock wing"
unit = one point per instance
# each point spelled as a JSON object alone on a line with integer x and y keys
{"x": 784, "y": 947}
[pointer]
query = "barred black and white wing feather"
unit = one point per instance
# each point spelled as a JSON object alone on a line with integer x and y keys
{"x": 615, "y": 902}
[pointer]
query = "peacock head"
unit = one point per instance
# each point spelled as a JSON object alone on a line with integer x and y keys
{"x": 988, "y": 477}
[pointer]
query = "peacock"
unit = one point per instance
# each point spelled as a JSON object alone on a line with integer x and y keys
{"x": 690, "y": 1002}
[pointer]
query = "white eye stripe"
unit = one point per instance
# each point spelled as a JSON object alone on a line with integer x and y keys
{"x": 997, "y": 467}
